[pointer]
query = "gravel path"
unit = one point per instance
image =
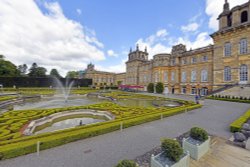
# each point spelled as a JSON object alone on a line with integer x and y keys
{"x": 106, "y": 150}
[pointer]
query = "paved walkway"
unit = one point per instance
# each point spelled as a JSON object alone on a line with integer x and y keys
{"x": 223, "y": 154}
{"x": 106, "y": 150}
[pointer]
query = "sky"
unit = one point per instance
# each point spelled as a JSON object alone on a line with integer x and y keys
{"x": 69, "y": 34}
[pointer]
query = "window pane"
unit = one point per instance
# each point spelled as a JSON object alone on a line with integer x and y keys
{"x": 227, "y": 74}
{"x": 243, "y": 46}
{"x": 243, "y": 73}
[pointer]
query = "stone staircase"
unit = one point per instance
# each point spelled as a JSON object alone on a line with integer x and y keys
{"x": 236, "y": 91}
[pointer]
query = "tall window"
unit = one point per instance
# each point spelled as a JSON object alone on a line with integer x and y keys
{"x": 204, "y": 76}
{"x": 172, "y": 76}
{"x": 205, "y": 58}
{"x": 165, "y": 75}
{"x": 243, "y": 46}
{"x": 156, "y": 77}
{"x": 227, "y": 49}
{"x": 183, "y": 76}
{"x": 244, "y": 17}
{"x": 193, "y": 76}
{"x": 227, "y": 74}
{"x": 145, "y": 78}
{"x": 194, "y": 60}
{"x": 173, "y": 62}
{"x": 243, "y": 73}
{"x": 184, "y": 61}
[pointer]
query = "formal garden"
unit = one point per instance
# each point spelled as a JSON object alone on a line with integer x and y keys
{"x": 13, "y": 122}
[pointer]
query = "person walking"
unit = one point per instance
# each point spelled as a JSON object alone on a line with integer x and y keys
{"x": 197, "y": 99}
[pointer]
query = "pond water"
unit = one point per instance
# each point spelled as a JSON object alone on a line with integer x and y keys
{"x": 57, "y": 102}
{"x": 69, "y": 123}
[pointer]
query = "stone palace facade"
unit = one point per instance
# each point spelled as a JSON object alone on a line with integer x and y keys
{"x": 202, "y": 70}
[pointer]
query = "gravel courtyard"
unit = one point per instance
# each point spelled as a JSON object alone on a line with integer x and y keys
{"x": 106, "y": 150}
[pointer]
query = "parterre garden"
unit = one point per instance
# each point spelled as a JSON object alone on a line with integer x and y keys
{"x": 13, "y": 143}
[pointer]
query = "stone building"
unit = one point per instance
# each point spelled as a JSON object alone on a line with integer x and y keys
{"x": 231, "y": 46}
{"x": 102, "y": 78}
{"x": 201, "y": 70}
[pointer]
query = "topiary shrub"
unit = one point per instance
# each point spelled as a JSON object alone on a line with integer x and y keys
{"x": 198, "y": 134}
{"x": 159, "y": 87}
{"x": 150, "y": 88}
{"x": 172, "y": 149}
{"x": 126, "y": 163}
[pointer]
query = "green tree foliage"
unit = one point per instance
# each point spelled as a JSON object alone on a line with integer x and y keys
{"x": 72, "y": 74}
{"x": 7, "y": 69}
{"x": 150, "y": 88}
{"x": 23, "y": 69}
{"x": 126, "y": 163}
{"x": 55, "y": 73}
{"x": 159, "y": 87}
{"x": 36, "y": 71}
{"x": 172, "y": 149}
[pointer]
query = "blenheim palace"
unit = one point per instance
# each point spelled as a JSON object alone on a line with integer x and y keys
{"x": 202, "y": 70}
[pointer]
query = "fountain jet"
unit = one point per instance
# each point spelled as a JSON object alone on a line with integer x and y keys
{"x": 65, "y": 89}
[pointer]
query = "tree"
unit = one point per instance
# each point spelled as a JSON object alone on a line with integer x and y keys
{"x": 8, "y": 69}
{"x": 1, "y": 56}
{"x": 72, "y": 74}
{"x": 150, "y": 88}
{"x": 36, "y": 71}
{"x": 55, "y": 73}
{"x": 23, "y": 69}
{"x": 126, "y": 163}
{"x": 159, "y": 87}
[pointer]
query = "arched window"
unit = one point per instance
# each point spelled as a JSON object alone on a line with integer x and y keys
{"x": 229, "y": 20}
{"x": 244, "y": 17}
{"x": 243, "y": 73}
{"x": 204, "y": 76}
{"x": 183, "y": 76}
{"x": 165, "y": 76}
{"x": 227, "y": 74}
{"x": 193, "y": 76}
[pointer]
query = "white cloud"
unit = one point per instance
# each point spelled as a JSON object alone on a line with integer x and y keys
{"x": 202, "y": 39}
{"x": 215, "y": 7}
{"x": 160, "y": 45}
{"x": 79, "y": 11}
{"x": 112, "y": 53}
{"x": 154, "y": 43}
{"x": 191, "y": 27}
{"x": 48, "y": 38}
{"x": 162, "y": 33}
{"x": 118, "y": 68}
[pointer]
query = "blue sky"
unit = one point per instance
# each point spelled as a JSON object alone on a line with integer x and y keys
{"x": 120, "y": 24}
{"x": 68, "y": 34}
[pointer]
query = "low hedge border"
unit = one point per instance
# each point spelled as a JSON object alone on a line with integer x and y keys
{"x": 238, "y": 100}
{"x": 22, "y": 147}
{"x": 237, "y": 124}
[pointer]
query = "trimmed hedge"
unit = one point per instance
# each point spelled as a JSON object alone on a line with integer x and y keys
{"x": 226, "y": 98}
{"x": 25, "y": 145}
{"x": 237, "y": 124}
{"x": 172, "y": 149}
{"x": 199, "y": 134}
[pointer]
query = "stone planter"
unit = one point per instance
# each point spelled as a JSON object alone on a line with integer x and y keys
{"x": 161, "y": 161}
{"x": 197, "y": 150}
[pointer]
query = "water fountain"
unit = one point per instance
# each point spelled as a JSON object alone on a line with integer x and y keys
{"x": 1, "y": 87}
{"x": 65, "y": 89}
